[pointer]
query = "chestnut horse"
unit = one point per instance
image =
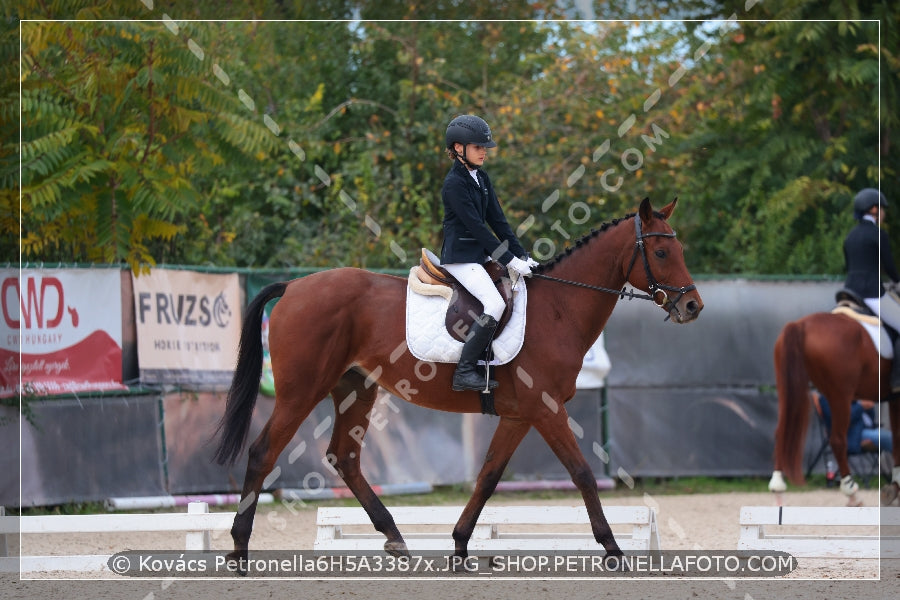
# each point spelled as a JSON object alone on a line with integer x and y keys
{"x": 836, "y": 354}
{"x": 340, "y": 331}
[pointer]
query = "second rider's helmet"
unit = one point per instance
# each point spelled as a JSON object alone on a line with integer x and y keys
{"x": 865, "y": 200}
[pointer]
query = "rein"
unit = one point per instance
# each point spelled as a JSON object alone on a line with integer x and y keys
{"x": 656, "y": 288}
{"x": 623, "y": 293}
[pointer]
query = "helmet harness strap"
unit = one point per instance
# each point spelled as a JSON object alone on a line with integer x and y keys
{"x": 463, "y": 157}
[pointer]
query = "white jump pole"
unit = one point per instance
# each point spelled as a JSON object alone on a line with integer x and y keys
{"x": 154, "y": 502}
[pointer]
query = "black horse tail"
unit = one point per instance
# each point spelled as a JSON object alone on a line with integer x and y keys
{"x": 792, "y": 381}
{"x": 235, "y": 423}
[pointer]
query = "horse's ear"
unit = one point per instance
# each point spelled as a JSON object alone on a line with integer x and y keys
{"x": 669, "y": 208}
{"x": 645, "y": 211}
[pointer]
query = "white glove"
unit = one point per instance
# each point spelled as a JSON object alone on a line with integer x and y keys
{"x": 519, "y": 266}
{"x": 532, "y": 263}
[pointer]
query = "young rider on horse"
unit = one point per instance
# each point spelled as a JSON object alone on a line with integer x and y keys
{"x": 861, "y": 248}
{"x": 476, "y": 231}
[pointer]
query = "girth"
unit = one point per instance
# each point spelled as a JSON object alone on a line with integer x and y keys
{"x": 464, "y": 307}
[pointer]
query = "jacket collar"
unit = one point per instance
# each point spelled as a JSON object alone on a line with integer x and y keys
{"x": 461, "y": 170}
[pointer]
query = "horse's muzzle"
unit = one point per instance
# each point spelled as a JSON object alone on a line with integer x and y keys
{"x": 685, "y": 310}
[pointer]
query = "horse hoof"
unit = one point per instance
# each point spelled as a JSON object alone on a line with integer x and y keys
{"x": 397, "y": 549}
{"x": 614, "y": 561}
{"x": 235, "y": 562}
{"x": 777, "y": 483}
{"x": 890, "y": 495}
{"x": 467, "y": 564}
{"x": 854, "y": 501}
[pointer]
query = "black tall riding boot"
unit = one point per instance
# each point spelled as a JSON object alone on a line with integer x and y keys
{"x": 466, "y": 376}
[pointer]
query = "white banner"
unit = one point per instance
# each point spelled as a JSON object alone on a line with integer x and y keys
{"x": 188, "y": 327}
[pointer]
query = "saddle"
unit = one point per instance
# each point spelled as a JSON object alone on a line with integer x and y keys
{"x": 464, "y": 308}
{"x": 850, "y": 300}
{"x": 850, "y": 304}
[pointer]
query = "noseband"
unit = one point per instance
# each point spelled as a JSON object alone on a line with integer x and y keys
{"x": 657, "y": 290}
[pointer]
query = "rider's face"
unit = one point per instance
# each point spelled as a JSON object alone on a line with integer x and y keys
{"x": 475, "y": 154}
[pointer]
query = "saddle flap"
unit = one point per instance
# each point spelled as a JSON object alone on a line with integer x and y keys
{"x": 464, "y": 308}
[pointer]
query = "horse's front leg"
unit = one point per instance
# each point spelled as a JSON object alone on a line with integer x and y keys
{"x": 556, "y": 432}
{"x": 506, "y": 439}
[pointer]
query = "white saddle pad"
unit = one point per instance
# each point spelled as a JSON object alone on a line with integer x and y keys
{"x": 427, "y": 336}
{"x": 878, "y": 333}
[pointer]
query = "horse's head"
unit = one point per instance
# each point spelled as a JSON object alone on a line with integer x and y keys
{"x": 657, "y": 264}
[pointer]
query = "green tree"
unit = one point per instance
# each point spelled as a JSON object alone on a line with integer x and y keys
{"x": 333, "y": 153}
{"x": 578, "y": 158}
{"x": 273, "y": 213}
{"x": 116, "y": 120}
{"x": 781, "y": 129}
{"x": 9, "y": 155}
{"x": 437, "y": 70}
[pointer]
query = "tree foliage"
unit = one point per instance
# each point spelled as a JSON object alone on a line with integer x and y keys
{"x": 788, "y": 137}
{"x": 320, "y": 143}
{"x": 116, "y": 121}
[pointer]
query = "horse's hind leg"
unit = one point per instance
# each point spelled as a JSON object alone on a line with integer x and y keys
{"x": 288, "y": 414}
{"x": 353, "y": 401}
{"x": 506, "y": 439}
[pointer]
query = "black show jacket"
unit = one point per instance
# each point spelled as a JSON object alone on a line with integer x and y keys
{"x": 474, "y": 225}
{"x": 861, "y": 259}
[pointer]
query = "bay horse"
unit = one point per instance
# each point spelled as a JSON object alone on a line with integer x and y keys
{"x": 340, "y": 331}
{"x": 835, "y": 353}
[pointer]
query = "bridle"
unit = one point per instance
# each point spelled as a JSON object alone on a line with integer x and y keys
{"x": 657, "y": 290}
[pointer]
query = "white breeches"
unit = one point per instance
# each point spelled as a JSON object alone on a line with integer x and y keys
{"x": 474, "y": 278}
{"x": 886, "y": 308}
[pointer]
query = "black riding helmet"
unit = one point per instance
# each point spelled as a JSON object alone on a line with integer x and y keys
{"x": 865, "y": 200}
{"x": 469, "y": 129}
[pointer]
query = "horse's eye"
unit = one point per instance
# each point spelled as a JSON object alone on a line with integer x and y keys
{"x": 660, "y": 253}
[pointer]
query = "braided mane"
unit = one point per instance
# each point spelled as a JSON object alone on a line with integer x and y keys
{"x": 548, "y": 266}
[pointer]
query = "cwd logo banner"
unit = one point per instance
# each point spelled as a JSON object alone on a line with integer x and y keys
{"x": 67, "y": 324}
{"x": 188, "y": 327}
